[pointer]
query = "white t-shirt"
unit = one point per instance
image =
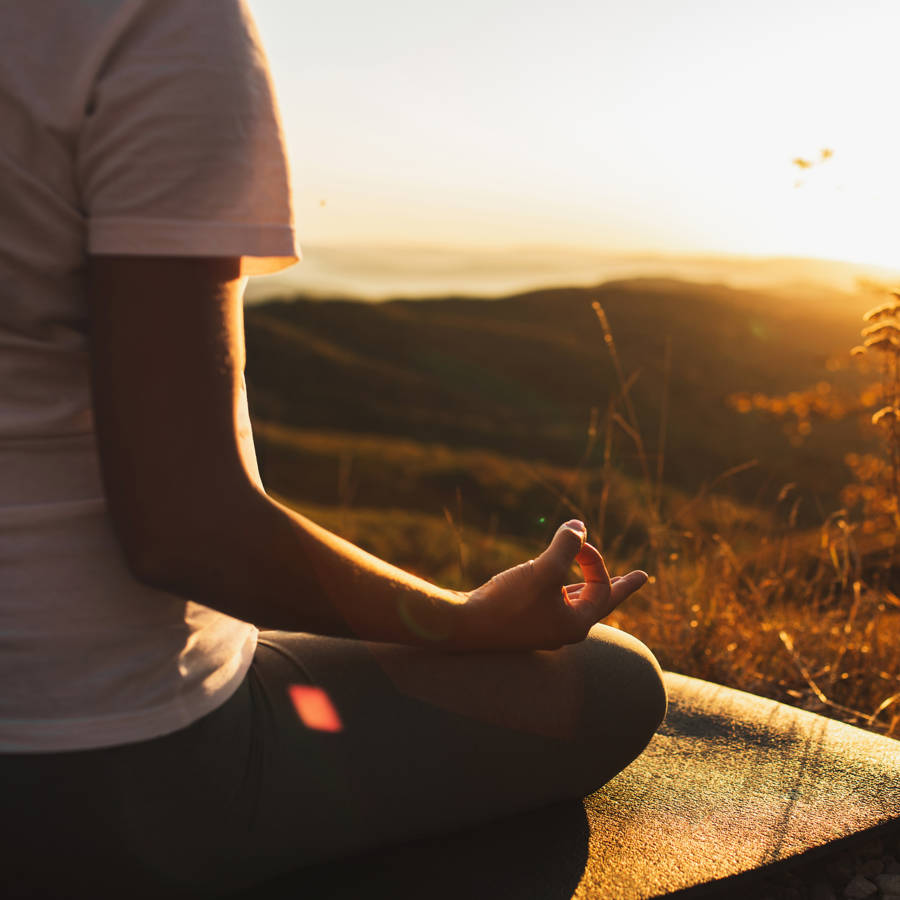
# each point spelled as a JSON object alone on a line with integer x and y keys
{"x": 138, "y": 127}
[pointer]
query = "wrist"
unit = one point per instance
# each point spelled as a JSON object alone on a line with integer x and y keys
{"x": 435, "y": 618}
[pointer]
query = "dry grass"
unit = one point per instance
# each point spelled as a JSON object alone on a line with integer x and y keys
{"x": 777, "y": 620}
{"x": 804, "y": 617}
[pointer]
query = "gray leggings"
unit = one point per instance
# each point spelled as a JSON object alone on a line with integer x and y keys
{"x": 380, "y": 744}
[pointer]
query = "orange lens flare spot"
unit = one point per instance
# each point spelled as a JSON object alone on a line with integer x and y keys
{"x": 314, "y": 708}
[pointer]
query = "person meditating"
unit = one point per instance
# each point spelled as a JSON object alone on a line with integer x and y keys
{"x": 202, "y": 688}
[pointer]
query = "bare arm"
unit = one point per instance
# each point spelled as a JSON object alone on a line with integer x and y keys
{"x": 167, "y": 352}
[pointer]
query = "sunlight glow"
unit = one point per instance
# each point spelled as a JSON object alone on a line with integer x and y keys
{"x": 640, "y": 126}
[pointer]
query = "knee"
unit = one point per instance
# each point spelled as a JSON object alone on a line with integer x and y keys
{"x": 623, "y": 702}
{"x": 625, "y": 693}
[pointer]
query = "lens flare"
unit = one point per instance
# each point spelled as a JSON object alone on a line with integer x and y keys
{"x": 314, "y": 708}
{"x": 418, "y": 628}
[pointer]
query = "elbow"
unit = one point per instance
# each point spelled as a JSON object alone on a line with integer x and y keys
{"x": 195, "y": 566}
{"x": 189, "y": 548}
{"x": 167, "y": 547}
{"x": 151, "y": 559}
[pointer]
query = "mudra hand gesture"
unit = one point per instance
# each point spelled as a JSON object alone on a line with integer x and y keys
{"x": 530, "y": 606}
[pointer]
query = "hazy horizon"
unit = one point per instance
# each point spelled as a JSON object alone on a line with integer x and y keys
{"x": 417, "y": 271}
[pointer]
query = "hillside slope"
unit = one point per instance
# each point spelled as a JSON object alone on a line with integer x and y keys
{"x": 521, "y": 375}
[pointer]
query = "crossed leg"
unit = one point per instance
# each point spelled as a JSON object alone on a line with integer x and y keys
{"x": 400, "y": 743}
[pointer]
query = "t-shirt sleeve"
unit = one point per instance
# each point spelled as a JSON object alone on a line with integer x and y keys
{"x": 181, "y": 152}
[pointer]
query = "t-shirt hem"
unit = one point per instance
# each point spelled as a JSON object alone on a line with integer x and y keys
{"x": 93, "y": 733}
{"x": 269, "y": 246}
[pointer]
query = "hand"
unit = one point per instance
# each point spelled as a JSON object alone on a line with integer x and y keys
{"x": 529, "y": 607}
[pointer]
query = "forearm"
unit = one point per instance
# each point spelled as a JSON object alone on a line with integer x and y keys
{"x": 257, "y": 560}
{"x": 167, "y": 353}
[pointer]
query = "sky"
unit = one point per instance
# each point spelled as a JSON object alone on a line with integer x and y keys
{"x": 625, "y": 126}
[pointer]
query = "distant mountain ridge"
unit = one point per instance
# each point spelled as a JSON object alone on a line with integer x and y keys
{"x": 521, "y": 375}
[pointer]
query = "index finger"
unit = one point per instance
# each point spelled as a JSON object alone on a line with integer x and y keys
{"x": 591, "y": 564}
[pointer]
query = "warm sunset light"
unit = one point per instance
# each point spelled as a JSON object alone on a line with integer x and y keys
{"x": 553, "y": 495}
{"x": 314, "y": 708}
{"x": 620, "y": 126}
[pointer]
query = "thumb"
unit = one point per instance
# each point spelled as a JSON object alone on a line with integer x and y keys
{"x": 554, "y": 563}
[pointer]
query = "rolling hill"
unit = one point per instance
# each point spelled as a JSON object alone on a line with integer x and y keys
{"x": 522, "y": 377}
